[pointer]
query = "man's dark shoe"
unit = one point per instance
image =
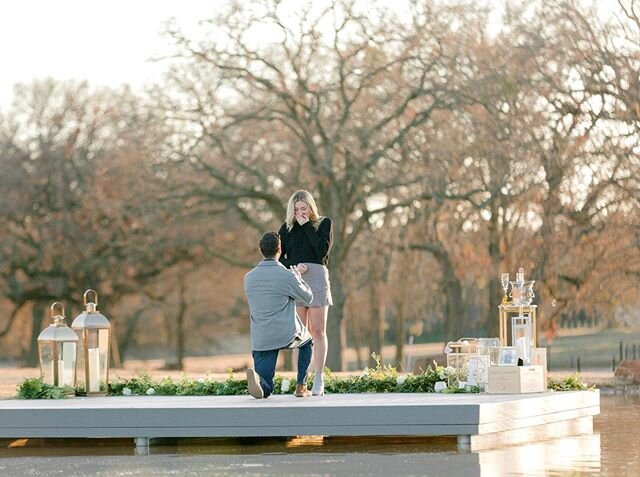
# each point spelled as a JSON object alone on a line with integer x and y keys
{"x": 253, "y": 383}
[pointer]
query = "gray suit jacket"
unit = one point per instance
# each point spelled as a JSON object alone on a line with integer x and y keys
{"x": 271, "y": 290}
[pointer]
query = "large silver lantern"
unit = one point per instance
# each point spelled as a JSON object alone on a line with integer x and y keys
{"x": 521, "y": 337}
{"x": 94, "y": 333}
{"x": 57, "y": 346}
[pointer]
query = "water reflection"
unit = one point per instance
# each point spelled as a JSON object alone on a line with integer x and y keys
{"x": 612, "y": 450}
{"x": 618, "y": 423}
{"x": 302, "y": 456}
{"x": 575, "y": 455}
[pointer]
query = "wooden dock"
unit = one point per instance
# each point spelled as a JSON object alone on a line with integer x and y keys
{"x": 478, "y": 420}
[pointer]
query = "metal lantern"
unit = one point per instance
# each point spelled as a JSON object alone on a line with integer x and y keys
{"x": 94, "y": 333}
{"x": 487, "y": 354}
{"x": 57, "y": 346}
{"x": 521, "y": 334}
{"x": 459, "y": 353}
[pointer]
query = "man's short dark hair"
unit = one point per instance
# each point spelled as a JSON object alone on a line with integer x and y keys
{"x": 269, "y": 244}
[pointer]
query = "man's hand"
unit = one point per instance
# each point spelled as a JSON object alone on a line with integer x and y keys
{"x": 299, "y": 269}
{"x": 294, "y": 269}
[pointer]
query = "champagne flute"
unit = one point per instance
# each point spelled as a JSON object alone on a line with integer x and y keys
{"x": 504, "y": 279}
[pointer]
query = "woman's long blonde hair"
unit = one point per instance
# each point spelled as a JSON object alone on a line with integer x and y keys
{"x": 302, "y": 196}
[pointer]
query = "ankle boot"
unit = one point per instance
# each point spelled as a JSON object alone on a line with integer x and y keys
{"x": 302, "y": 391}
{"x": 318, "y": 385}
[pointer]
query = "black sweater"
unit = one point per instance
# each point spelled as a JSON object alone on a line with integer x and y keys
{"x": 306, "y": 244}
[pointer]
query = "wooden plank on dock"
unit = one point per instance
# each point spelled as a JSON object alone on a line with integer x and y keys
{"x": 334, "y": 415}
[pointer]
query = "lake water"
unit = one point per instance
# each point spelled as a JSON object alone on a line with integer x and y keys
{"x": 612, "y": 450}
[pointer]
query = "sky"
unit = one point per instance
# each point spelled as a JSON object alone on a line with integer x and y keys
{"x": 108, "y": 43}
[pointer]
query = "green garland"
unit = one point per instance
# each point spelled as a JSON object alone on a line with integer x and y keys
{"x": 381, "y": 379}
{"x": 35, "y": 388}
{"x": 570, "y": 383}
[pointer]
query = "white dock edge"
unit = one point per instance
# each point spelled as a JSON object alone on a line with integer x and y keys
{"x": 478, "y": 420}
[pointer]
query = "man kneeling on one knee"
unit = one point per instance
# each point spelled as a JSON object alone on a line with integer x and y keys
{"x": 272, "y": 290}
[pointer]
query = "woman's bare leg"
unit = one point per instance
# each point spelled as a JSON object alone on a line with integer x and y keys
{"x": 302, "y": 312}
{"x": 318, "y": 322}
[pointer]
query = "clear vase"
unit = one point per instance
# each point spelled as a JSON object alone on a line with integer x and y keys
{"x": 522, "y": 292}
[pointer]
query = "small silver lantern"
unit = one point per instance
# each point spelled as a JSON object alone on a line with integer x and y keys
{"x": 57, "y": 347}
{"x": 521, "y": 334}
{"x": 94, "y": 333}
{"x": 487, "y": 354}
{"x": 459, "y": 353}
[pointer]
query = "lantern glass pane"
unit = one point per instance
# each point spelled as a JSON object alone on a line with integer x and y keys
{"x": 46, "y": 361}
{"x": 93, "y": 361}
{"x": 103, "y": 343}
{"x": 478, "y": 371}
{"x": 459, "y": 361}
{"x": 81, "y": 373}
{"x": 92, "y": 338}
{"x": 521, "y": 334}
{"x": 68, "y": 373}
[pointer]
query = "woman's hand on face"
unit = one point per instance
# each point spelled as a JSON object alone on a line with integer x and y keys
{"x": 302, "y": 218}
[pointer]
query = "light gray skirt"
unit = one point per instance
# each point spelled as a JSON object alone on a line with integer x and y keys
{"x": 317, "y": 277}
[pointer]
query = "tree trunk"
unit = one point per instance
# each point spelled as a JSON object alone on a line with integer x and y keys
{"x": 492, "y": 317}
{"x": 335, "y": 322}
{"x": 180, "y": 338}
{"x": 492, "y": 324}
{"x": 37, "y": 314}
{"x": 454, "y": 309}
{"x": 552, "y": 208}
{"x": 376, "y": 337}
{"x": 355, "y": 334}
{"x": 126, "y": 338}
{"x": 399, "y": 329}
{"x": 378, "y": 277}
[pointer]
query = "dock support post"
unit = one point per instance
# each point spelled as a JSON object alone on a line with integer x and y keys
{"x": 142, "y": 445}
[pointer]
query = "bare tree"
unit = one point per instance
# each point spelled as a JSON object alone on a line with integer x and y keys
{"x": 584, "y": 141}
{"x": 324, "y": 100}
{"x": 77, "y": 209}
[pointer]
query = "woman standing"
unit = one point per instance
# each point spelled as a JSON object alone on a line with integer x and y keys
{"x": 306, "y": 240}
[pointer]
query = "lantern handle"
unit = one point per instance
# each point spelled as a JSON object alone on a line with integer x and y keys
{"x": 95, "y": 295}
{"x": 58, "y": 305}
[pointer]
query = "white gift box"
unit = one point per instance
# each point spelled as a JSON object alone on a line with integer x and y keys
{"x": 516, "y": 379}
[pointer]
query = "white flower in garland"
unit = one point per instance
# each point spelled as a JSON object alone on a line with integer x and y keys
{"x": 400, "y": 380}
{"x": 365, "y": 374}
{"x": 151, "y": 391}
{"x": 440, "y": 386}
{"x": 201, "y": 380}
{"x": 285, "y": 386}
{"x": 126, "y": 392}
{"x": 444, "y": 373}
